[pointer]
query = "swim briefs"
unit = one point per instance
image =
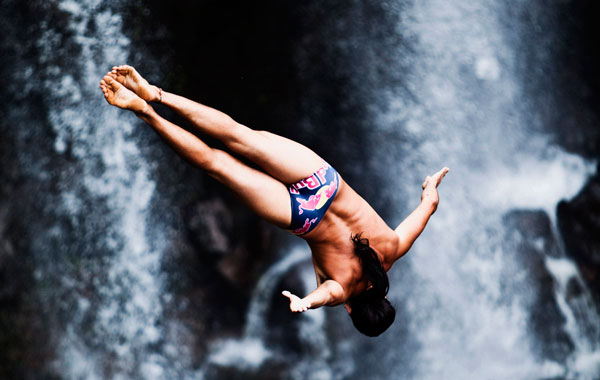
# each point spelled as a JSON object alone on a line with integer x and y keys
{"x": 311, "y": 197}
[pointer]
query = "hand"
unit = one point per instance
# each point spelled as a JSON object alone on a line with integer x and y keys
{"x": 430, "y": 187}
{"x": 297, "y": 304}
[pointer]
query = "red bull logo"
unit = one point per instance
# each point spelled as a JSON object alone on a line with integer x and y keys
{"x": 318, "y": 200}
{"x": 307, "y": 223}
{"x": 311, "y": 182}
{"x": 330, "y": 190}
{"x": 310, "y": 204}
{"x": 311, "y": 197}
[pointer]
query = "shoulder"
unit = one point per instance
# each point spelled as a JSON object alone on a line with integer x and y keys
{"x": 386, "y": 247}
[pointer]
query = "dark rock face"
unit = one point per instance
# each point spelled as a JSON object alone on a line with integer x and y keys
{"x": 531, "y": 239}
{"x": 579, "y": 225}
{"x": 212, "y": 267}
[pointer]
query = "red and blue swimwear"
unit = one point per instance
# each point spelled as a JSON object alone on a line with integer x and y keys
{"x": 311, "y": 197}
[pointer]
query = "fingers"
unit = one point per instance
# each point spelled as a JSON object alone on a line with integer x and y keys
{"x": 425, "y": 182}
{"x": 444, "y": 171}
{"x": 436, "y": 179}
{"x": 297, "y": 305}
{"x": 439, "y": 175}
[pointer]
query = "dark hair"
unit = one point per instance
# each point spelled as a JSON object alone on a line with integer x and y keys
{"x": 371, "y": 312}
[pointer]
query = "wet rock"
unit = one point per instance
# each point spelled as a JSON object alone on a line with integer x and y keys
{"x": 579, "y": 226}
{"x": 210, "y": 226}
{"x": 229, "y": 239}
{"x": 213, "y": 265}
{"x": 529, "y": 238}
{"x": 284, "y": 331}
{"x": 269, "y": 370}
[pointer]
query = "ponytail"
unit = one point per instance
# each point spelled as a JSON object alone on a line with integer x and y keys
{"x": 372, "y": 269}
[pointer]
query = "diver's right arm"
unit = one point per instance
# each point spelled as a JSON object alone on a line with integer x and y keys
{"x": 329, "y": 293}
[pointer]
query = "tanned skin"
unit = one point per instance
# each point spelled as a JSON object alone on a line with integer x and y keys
{"x": 283, "y": 161}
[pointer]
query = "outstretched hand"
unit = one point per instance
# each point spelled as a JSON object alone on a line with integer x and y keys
{"x": 430, "y": 186}
{"x": 297, "y": 304}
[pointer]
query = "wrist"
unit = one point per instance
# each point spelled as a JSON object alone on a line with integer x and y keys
{"x": 429, "y": 201}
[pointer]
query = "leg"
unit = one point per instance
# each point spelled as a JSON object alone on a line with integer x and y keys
{"x": 263, "y": 194}
{"x": 283, "y": 159}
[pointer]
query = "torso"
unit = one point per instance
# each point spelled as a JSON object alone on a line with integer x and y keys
{"x": 331, "y": 245}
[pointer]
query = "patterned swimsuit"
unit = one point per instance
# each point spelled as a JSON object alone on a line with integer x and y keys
{"x": 311, "y": 197}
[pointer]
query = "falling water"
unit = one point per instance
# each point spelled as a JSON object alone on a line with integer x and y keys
{"x": 249, "y": 352}
{"x": 468, "y": 111}
{"x": 113, "y": 173}
{"x": 463, "y": 297}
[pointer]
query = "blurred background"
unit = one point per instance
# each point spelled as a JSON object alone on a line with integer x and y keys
{"x": 118, "y": 260}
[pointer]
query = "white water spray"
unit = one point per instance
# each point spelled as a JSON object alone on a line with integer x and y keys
{"x": 468, "y": 116}
{"x": 99, "y": 136}
{"x": 249, "y": 352}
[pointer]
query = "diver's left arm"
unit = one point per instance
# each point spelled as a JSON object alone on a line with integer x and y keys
{"x": 329, "y": 293}
{"x": 409, "y": 230}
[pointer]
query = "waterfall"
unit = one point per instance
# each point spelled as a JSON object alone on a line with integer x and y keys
{"x": 445, "y": 87}
{"x": 468, "y": 111}
{"x": 249, "y": 352}
{"x": 115, "y": 175}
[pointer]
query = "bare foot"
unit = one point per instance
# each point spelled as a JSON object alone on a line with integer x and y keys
{"x": 130, "y": 78}
{"x": 119, "y": 96}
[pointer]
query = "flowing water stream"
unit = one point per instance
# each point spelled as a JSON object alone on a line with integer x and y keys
{"x": 469, "y": 111}
{"x": 113, "y": 173}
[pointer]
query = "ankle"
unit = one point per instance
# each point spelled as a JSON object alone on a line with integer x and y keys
{"x": 146, "y": 110}
{"x": 158, "y": 96}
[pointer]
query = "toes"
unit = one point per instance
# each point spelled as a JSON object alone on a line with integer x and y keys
{"x": 109, "y": 80}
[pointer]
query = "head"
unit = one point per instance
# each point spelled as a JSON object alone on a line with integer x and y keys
{"x": 373, "y": 317}
{"x": 370, "y": 311}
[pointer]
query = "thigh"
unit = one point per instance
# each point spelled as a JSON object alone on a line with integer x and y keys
{"x": 263, "y": 194}
{"x": 282, "y": 158}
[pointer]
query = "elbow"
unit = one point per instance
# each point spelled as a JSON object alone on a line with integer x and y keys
{"x": 336, "y": 293}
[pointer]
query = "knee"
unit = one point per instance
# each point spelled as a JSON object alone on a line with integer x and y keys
{"x": 238, "y": 133}
{"x": 215, "y": 162}
{"x": 242, "y": 138}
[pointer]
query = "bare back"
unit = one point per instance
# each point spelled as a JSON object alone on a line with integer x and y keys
{"x": 332, "y": 247}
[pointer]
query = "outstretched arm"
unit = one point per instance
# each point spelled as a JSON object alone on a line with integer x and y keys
{"x": 409, "y": 230}
{"x": 329, "y": 293}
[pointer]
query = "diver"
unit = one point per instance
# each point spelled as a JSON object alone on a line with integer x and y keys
{"x": 352, "y": 247}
